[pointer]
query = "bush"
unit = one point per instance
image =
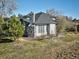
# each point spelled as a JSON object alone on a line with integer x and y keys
{"x": 70, "y": 29}
{"x": 1, "y": 27}
{"x": 16, "y": 29}
{"x": 11, "y": 29}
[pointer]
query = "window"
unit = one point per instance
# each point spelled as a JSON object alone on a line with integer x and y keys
{"x": 41, "y": 29}
{"x": 53, "y": 19}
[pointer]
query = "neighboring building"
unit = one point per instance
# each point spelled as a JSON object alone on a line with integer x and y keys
{"x": 40, "y": 24}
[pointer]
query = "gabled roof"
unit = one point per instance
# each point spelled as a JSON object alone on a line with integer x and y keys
{"x": 43, "y": 18}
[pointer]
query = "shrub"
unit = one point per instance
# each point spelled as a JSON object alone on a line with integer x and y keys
{"x": 11, "y": 29}
{"x": 70, "y": 29}
{"x": 16, "y": 29}
{"x": 1, "y": 26}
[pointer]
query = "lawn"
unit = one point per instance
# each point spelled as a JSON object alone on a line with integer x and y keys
{"x": 34, "y": 49}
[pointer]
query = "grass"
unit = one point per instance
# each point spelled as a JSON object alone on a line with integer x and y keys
{"x": 21, "y": 50}
{"x": 33, "y": 49}
{"x": 70, "y": 37}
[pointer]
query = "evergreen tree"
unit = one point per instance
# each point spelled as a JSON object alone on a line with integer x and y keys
{"x": 16, "y": 29}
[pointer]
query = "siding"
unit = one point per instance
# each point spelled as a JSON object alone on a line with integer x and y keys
{"x": 53, "y": 29}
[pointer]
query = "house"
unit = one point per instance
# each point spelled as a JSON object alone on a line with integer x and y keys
{"x": 40, "y": 24}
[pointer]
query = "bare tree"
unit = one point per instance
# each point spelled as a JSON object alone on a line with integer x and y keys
{"x": 7, "y": 7}
{"x": 53, "y": 12}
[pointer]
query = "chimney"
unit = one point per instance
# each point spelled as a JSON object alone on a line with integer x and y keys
{"x": 33, "y": 17}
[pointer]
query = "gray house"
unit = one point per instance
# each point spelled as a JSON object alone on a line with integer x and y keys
{"x": 40, "y": 24}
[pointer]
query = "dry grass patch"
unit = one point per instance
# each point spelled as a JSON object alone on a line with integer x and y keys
{"x": 68, "y": 51}
{"x": 56, "y": 48}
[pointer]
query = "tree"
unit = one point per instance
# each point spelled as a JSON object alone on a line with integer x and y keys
{"x": 11, "y": 28}
{"x": 61, "y": 23}
{"x": 53, "y": 12}
{"x": 7, "y": 7}
{"x": 16, "y": 29}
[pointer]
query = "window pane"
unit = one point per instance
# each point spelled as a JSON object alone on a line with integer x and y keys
{"x": 41, "y": 29}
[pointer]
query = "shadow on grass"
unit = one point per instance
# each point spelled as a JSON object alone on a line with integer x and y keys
{"x": 6, "y": 41}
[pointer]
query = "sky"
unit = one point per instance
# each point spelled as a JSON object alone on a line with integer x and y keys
{"x": 66, "y": 7}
